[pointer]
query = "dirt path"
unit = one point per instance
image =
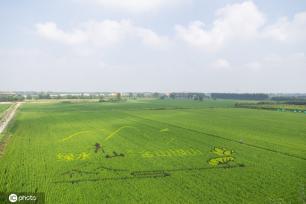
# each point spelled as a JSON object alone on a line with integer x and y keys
{"x": 8, "y": 116}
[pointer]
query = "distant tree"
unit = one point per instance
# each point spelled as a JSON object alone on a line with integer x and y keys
{"x": 12, "y": 97}
{"x": 101, "y": 98}
{"x": 299, "y": 100}
{"x": 155, "y": 95}
{"x": 44, "y": 96}
{"x": 237, "y": 96}
{"x": 172, "y": 95}
{"x": 163, "y": 97}
{"x": 29, "y": 97}
{"x": 118, "y": 96}
{"x": 140, "y": 95}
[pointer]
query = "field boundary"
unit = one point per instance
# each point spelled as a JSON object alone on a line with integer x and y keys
{"x": 10, "y": 114}
{"x": 224, "y": 138}
{"x": 5, "y": 111}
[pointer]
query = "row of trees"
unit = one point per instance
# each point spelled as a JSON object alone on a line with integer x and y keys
{"x": 9, "y": 98}
{"x": 173, "y": 95}
{"x": 190, "y": 96}
{"x": 116, "y": 98}
{"x": 69, "y": 96}
{"x": 292, "y": 100}
{"x": 288, "y": 98}
{"x": 237, "y": 96}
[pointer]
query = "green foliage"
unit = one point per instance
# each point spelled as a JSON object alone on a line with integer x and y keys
{"x": 6, "y": 98}
{"x": 3, "y": 107}
{"x": 237, "y": 96}
{"x": 44, "y": 96}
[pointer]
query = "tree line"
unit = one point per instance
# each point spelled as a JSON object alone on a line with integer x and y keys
{"x": 238, "y": 96}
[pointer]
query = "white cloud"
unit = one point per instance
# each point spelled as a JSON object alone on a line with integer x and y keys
{"x": 50, "y": 31}
{"x": 136, "y": 6}
{"x": 254, "y": 66}
{"x": 151, "y": 38}
{"x": 242, "y": 22}
{"x": 105, "y": 54}
{"x": 286, "y": 30}
{"x": 196, "y": 36}
{"x": 233, "y": 22}
{"x": 101, "y": 33}
{"x": 292, "y": 60}
{"x": 221, "y": 64}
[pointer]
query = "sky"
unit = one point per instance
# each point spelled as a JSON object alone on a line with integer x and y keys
{"x": 153, "y": 45}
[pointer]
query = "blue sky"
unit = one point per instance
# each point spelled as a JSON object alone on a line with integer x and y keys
{"x": 134, "y": 45}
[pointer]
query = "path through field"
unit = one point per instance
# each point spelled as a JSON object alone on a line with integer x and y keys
{"x": 8, "y": 116}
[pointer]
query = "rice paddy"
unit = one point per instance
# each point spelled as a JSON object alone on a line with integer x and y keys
{"x": 156, "y": 151}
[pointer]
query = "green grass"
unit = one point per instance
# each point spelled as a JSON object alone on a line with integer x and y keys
{"x": 166, "y": 146}
{"x": 3, "y": 107}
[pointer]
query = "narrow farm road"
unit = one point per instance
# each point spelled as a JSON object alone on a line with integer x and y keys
{"x": 8, "y": 116}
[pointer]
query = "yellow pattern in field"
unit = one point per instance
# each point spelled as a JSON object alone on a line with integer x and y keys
{"x": 224, "y": 156}
{"x": 171, "y": 153}
{"x": 117, "y": 131}
{"x": 220, "y": 160}
{"x": 164, "y": 130}
{"x": 72, "y": 156}
{"x": 74, "y": 134}
{"x": 107, "y": 138}
{"x": 78, "y": 133}
{"x": 221, "y": 151}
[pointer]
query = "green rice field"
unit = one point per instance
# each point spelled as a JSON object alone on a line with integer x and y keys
{"x": 156, "y": 151}
{"x": 3, "y": 107}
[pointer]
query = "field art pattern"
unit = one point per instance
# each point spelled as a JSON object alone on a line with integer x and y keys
{"x": 156, "y": 151}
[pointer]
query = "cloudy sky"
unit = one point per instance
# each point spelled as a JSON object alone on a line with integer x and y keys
{"x": 153, "y": 45}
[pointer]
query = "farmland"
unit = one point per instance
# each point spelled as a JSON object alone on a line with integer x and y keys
{"x": 3, "y": 107}
{"x": 156, "y": 151}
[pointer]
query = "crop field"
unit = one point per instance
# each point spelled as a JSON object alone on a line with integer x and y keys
{"x": 3, "y": 107}
{"x": 156, "y": 151}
